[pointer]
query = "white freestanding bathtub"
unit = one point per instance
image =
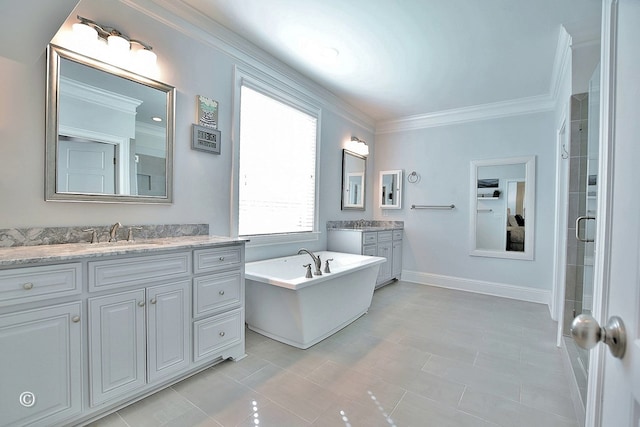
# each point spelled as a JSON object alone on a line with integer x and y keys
{"x": 284, "y": 305}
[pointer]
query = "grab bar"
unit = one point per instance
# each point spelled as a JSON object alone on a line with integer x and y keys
{"x": 485, "y": 210}
{"x": 451, "y": 206}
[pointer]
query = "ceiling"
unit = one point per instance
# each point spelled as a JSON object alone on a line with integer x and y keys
{"x": 402, "y": 58}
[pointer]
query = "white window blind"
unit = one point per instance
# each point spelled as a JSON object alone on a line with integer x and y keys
{"x": 277, "y": 166}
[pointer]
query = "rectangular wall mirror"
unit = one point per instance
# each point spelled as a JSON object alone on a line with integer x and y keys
{"x": 354, "y": 172}
{"x": 109, "y": 133}
{"x": 503, "y": 207}
{"x": 391, "y": 189}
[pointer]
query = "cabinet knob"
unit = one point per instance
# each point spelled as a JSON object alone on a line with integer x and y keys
{"x": 75, "y": 319}
{"x": 141, "y": 304}
{"x": 153, "y": 301}
{"x": 221, "y": 292}
{"x": 221, "y": 258}
{"x": 28, "y": 286}
{"x": 221, "y": 334}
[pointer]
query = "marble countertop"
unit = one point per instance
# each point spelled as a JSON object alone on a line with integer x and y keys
{"x": 73, "y": 251}
{"x": 365, "y": 228}
{"x": 364, "y": 225}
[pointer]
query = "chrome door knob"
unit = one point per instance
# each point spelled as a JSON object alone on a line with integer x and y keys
{"x": 587, "y": 333}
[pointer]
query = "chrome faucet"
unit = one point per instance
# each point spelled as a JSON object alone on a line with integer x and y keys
{"x": 316, "y": 260}
{"x": 113, "y": 232}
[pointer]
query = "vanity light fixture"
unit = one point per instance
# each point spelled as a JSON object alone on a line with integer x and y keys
{"x": 358, "y": 146}
{"x": 90, "y": 34}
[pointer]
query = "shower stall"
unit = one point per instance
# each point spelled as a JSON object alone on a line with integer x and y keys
{"x": 582, "y": 217}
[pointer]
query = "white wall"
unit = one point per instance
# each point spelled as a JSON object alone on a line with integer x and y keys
{"x": 196, "y": 63}
{"x": 436, "y": 245}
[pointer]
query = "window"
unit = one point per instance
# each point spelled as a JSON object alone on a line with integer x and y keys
{"x": 277, "y": 165}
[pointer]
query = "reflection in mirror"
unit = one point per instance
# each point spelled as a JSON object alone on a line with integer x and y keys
{"x": 109, "y": 133}
{"x": 391, "y": 189}
{"x": 502, "y": 200}
{"x": 354, "y": 168}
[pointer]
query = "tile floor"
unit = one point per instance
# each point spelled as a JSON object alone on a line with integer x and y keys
{"x": 422, "y": 356}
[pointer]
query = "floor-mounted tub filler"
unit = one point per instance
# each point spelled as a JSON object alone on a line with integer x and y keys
{"x": 283, "y": 304}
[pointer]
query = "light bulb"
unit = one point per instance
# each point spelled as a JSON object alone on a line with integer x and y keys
{"x": 84, "y": 31}
{"x": 146, "y": 57}
{"x": 118, "y": 44}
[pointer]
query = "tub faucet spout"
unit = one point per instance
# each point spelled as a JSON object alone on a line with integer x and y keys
{"x": 316, "y": 260}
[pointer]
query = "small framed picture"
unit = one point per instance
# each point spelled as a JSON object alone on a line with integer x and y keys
{"x": 207, "y": 112}
{"x": 204, "y": 138}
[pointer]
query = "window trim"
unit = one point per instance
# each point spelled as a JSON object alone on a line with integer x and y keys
{"x": 287, "y": 94}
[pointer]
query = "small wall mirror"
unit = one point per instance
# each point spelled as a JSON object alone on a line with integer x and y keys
{"x": 391, "y": 189}
{"x": 109, "y": 134}
{"x": 503, "y": 207}
{"x": 354, "y": 171}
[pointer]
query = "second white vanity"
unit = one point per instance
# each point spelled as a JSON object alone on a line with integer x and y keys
{"x": 87, "y": 329}
{"x": 375, "y": 238}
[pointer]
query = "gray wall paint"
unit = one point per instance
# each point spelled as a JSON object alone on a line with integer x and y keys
{"x": 202, "y": 180}
{"x": 437, "y": 241}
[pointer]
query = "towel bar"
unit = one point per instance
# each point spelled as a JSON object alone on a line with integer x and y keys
{"x": 451, "y": 206}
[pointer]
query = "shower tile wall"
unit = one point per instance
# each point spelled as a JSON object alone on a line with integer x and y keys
{"x": 577, "y": 206}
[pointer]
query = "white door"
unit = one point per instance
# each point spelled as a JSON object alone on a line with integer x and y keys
{"x": 86, "y": 167}
{"x": 614, "y": 384}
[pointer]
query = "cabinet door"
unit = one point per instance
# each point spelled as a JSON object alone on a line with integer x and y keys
{"x": 168, "y": 329}
{"x": 40, "y": 366}
{"x": 384, "y": 250}
{"x": 116, "y": 345}
{"x": 396, "y": 259}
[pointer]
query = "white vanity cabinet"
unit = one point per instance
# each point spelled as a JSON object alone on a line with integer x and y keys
{"x": 40, "y": 348}
{"x": 218, "y": 296}
{"x": 81, "y": 339}
{"x": 137, "y": 337}
{"x": 383, "y": 243}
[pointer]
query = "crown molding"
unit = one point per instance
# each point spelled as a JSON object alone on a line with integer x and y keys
{"x": 530, "y": 105}
{"x": 561, "y": 63}
{"x": 193, "y": 24}
{"x": 81, "y": 91}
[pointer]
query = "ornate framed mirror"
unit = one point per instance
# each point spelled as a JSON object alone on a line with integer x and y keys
{"x": 354, "y": 172}
{"x": 109, "y": 133}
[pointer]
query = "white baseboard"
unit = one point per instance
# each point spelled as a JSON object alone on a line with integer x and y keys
{"x": 479, "y": 286}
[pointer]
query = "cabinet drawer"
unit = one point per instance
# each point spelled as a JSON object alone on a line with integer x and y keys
{"x": 369, "y": 238}
{"x": 117, "y": 273}
{"x": 208, "y": 260}
{"x": 213, "y": 334}
{"x": 37, "y": 283}
{"x": 397, "y": 234}
{"x": 385, "y": 236}
{"x": 216, "y": 292}
{"x": 371, "y": 250}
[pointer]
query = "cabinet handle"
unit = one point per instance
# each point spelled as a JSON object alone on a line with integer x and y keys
{"x": 221, "y": 334}
{"x": 153, "y": 301}
{"x": 221, "y": 258}
{"x": 75, "y": 319}
{"x": 28, "y": 286}
{"x": 221, "y": 292}
{"x": 141, "y": 304}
